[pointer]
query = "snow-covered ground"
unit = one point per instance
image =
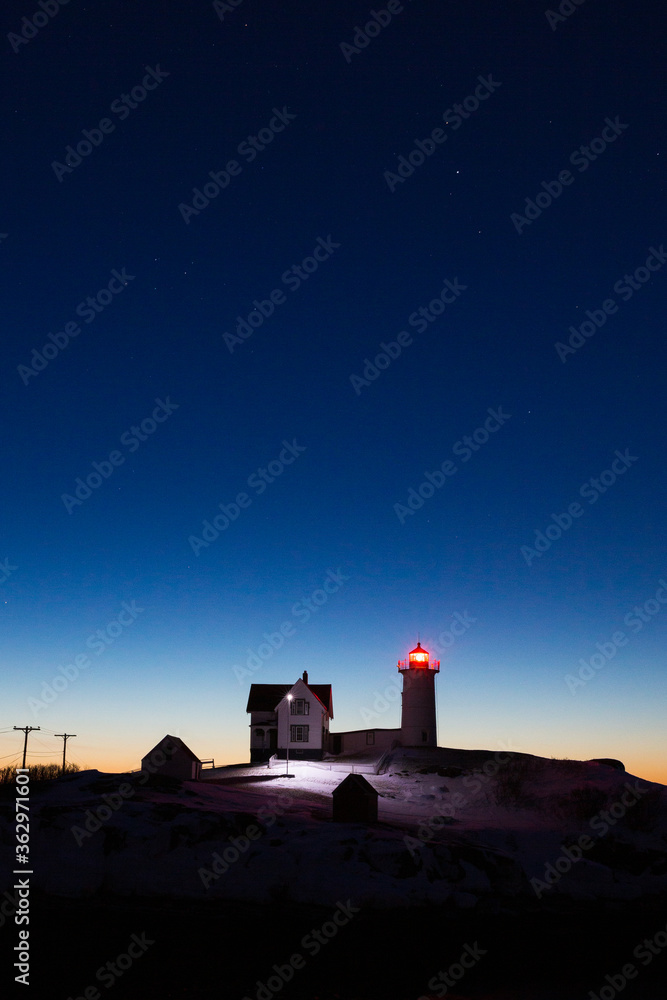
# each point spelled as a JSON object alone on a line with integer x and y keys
{"x": 476, "y": 845}
{"x": 465, "y": 834}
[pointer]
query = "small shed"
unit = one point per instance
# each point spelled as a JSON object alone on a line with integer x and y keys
{"x": 355, "y": 801}
{"x": 171, "y": 757}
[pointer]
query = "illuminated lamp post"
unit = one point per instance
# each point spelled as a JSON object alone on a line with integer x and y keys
{"x": 289, "y": 730}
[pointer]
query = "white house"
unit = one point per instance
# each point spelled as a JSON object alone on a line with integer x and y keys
{"x": 299, "y": 713}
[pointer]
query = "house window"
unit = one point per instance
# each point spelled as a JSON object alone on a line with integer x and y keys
{"x": 300, "y": 707}
{"x": 298, "y": 734}
{"x": 259, "y": 737}
{"x": 370, "y": 739}
{"x": 424, "y": 736}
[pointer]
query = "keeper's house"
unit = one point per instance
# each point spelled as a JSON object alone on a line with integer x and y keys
{"x": 299, "y": 712}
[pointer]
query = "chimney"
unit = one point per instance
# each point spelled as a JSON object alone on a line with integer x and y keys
{"x": 305, "y": 677}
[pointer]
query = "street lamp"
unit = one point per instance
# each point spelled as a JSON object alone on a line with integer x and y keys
{"x": 289, "y": 730}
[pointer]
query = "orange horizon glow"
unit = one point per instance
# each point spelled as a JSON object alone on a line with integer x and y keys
{"x": 648, "y": 769}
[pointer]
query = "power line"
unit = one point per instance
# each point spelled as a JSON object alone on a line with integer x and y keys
{"x": 41, "y": 743}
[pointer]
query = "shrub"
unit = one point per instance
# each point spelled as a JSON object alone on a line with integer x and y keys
{"x": 38, "y": 772}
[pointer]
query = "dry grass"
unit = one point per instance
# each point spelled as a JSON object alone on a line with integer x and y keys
{"x": 38, "y": 772}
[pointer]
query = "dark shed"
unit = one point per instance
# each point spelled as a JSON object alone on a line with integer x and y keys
{"x": 355, "y": 801}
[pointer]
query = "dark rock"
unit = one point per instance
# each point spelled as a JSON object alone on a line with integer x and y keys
{"x": 610, "y": 762}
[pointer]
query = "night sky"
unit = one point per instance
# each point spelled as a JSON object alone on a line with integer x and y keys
{"x": 318, "y": 340}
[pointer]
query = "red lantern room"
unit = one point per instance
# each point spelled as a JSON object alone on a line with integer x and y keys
{"x": 418, "y": 659}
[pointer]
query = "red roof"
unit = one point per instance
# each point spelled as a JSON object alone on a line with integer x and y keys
{"x": 265, "y": 697}
{"x": 418, "y": 649}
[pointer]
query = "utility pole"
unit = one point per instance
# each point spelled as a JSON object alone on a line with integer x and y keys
{"x": 26, "y": 730}
{"x": 65, "y": 737}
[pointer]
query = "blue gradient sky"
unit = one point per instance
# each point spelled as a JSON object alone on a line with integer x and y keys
{"x": 333, "y": 508}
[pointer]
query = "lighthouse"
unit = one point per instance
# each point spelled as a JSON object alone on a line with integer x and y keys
{"x": 418, "y": 724}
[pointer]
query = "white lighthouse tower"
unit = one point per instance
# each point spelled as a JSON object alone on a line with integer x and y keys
{"x": 418, "y": 724}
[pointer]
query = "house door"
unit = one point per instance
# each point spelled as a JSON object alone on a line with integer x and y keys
{"x": 273, "y": 739}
